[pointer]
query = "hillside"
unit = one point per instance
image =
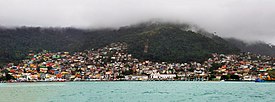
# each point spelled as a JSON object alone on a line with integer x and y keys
{"x": 154, "y": 41}
{"x": 174, "y": 43}
{"x": 261, "y": 48}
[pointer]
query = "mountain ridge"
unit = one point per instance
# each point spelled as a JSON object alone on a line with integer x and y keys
{"x": 165, "y": 41}
{"x": 257, "y": 47}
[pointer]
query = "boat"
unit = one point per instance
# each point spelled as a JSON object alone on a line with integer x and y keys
{"x": 259, "y": 80}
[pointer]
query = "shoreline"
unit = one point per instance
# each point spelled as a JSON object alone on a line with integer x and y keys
{"x": 127, "y": 81}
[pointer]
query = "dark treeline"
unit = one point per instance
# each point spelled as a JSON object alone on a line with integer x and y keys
{"x": 259, "y": 47}
{"x": 166, "y": 42}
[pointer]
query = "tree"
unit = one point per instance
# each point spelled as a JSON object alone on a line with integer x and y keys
{"x": 9, "y": 77}
{"x": 215, "y": 66}
{"x": 234, "y": 77}
{"x": 225, "y": 77}
{"x": 271, "y": 73}
{"x": 6, "y": 77}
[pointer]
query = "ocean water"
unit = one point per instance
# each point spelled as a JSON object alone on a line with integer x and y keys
{"x": 138, "y": 91}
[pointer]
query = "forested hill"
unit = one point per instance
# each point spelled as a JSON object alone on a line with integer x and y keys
{"x": 259, "y": 47}
{"x": 154, "y": 41}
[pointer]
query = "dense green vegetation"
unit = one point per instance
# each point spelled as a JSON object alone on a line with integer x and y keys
{"x": 5, "y": 77}
{"x": 175, "y": 44}
{"x": 230, "y": 77}
{"x": 259, "y": 47}
{"x": 271, "y": 73}
{"x": 166, "y": 42}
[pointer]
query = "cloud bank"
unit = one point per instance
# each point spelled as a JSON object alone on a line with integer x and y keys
{"x": 244, "y": 19}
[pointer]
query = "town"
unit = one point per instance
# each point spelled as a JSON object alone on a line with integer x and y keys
{"x": 113, "y": 63}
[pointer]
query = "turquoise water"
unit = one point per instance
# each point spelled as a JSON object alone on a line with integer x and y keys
{"x": 149, "y": 91}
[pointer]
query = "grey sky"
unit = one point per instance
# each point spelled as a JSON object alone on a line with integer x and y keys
{"x": 244, "y": 19}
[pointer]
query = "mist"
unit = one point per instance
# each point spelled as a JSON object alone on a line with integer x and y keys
{"x": 249, "y": 20}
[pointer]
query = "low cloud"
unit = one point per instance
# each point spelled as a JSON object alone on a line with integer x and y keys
{"x": 244, "y": 19}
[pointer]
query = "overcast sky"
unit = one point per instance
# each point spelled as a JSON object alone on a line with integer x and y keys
{"x": 243, "y": 19}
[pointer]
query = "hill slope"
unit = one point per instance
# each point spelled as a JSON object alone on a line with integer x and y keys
{"x": 164, "y": 41}
{"x": 261, "y": 48}
{"x": 174, "y": 43}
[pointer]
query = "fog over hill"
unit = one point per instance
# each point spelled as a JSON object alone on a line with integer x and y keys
{"x": 257, "y": 47}
{"x": 165, "y": 41}
{"x": 248, "y": 20}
